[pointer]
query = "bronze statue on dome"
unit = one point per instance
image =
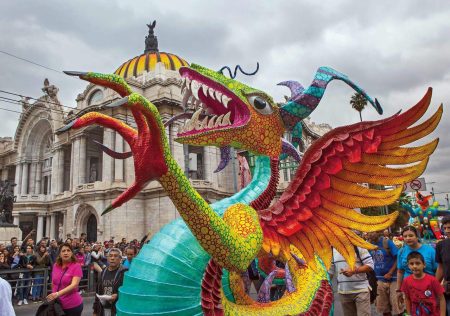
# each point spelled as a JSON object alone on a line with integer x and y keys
{"x": 151, "y": 41}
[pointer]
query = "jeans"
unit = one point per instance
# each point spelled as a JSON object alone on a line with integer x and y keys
{"x": 23, "y": 288}
{"x": 36, "y": 292}
{"x": 76, "y": 311}
{"x": 447, "y": 302}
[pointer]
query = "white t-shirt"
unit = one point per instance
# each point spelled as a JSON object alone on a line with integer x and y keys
{"x": 6, "y": 308}
{"x": 356, "y": 283}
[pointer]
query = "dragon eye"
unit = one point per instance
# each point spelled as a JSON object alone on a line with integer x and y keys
{"x": 260, "y": 104}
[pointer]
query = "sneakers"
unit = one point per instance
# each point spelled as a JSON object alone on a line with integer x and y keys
{"x": 20, "y": 303}
{"x": 25, "y": 302}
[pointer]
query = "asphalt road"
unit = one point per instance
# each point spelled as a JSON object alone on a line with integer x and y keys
{"x": 31, "y": 308}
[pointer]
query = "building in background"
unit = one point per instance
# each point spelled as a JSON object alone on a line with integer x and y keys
{"x": 65, "y": 181}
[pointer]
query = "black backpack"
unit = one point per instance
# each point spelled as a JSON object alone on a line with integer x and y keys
{"x": 371, "y": 277}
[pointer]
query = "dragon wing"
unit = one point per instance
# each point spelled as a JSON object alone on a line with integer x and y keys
{"x": 316, "y": 212}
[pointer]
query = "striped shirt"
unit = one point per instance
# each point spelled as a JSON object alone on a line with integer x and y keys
{"x": 356, "y": 283}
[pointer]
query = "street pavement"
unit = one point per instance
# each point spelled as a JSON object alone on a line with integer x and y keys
{"x": 31, "y": 308}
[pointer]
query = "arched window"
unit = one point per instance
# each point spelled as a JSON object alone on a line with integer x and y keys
{"x": 96, "y": 97}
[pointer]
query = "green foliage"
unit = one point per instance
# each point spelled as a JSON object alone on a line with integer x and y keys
{"x": 358, "y": 102}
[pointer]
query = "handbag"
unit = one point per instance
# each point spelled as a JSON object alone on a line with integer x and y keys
{"x": 447, "y": 288}
{"x": 52, "y": 307}
{"x": 371, "y": 277}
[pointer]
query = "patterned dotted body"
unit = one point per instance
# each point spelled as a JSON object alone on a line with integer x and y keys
{"x": 313, "y": 294}
{"x": 231, "y": 245}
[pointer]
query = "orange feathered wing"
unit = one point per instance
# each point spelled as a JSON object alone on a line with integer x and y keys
{"x": 316, "y": 211}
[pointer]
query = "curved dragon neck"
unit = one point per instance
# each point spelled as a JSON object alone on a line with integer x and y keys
{"x": 229, "y": 245}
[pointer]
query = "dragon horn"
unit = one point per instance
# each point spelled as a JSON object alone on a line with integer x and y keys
{"x": 112, "y": 153}
{"x": 301, "y": 105}
{"x": 295, "y": 87}
{"x": 113, "y": 82}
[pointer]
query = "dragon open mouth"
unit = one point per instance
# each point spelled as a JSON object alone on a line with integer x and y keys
{"x": 217, "y": 108}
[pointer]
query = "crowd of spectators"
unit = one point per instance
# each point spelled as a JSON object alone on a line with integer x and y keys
{"x": 32, "y": 258}
{"x": 412, "y": 277}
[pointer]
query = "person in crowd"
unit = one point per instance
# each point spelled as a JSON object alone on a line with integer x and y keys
{"x": 11, "y": 246}
{"x": 83, "y": 236}
{"x": 110, "y": 281}
{"x": 353, "y": 286}
{"x": 4, "y": 265}
{"x": 75, "y": 245}
{"x": 87, "y": 255}
{"x": 385, "y": 266}
{"x": 27, "y": 261}
{"x": 6, "y": 307}
{"x": 412, "y": 243}
{"x": 7, "y": 254}
{"x": 109, "y": 246}
{"x": 28, "y": 242}
{"x": 15, "y": 264}
{"x": 80, "y": 256}
{"x": 97, "y": 256}
{"x": 123, "y": 244}
{"x": 66, "y": 276}
{"x": 13, "y": 240}
{"x": 53, "y": 251}
{"x": 443, "y": 261}
{"x": 387, "y": 234}
{"x": 422, "y": 291}
{"x": 42, "y": 261}
{"x": 2, "y": 247}
{"x": 130, "y": 252}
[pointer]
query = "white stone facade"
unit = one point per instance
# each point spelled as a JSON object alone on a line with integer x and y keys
{"x": 64, "y": 181}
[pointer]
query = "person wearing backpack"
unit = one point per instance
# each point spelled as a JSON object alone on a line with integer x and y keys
{"x": 353, "y": 285}
{"x": 385, "y": 266}
{"x": 110, "y": 280}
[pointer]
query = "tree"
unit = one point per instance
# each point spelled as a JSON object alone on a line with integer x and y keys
{"x": 358, "y": 102}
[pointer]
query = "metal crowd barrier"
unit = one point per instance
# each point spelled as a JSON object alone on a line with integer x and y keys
{"x": 87, "y": 282}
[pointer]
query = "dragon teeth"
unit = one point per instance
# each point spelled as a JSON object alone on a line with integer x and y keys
{"x": 211, "y": 93}
{"x": 211, "y": 121}
{"x": 226, "y": 119}
{"x": 205, "y": 89}
{"x": 219, "y": 121}
{"x": 188, "y": 84}
{"x": 195, "y": 86}
{"x": 204, "y": 123}
{"x": 185, "y": 100}
{"x": 225, "y": 100}
{"x": 218, "y": 95}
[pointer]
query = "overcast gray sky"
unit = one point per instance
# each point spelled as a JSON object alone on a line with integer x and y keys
{"x": 393, "y": 49}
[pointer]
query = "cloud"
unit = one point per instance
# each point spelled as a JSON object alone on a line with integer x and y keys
{"x": 394, "y": 50}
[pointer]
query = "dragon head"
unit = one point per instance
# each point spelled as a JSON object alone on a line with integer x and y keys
{"x": 229, "y": 113}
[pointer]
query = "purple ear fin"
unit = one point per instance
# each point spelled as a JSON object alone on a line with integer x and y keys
{"x": 295, "y": 87}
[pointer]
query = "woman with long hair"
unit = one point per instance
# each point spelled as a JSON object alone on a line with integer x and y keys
{"x": 412, "y": 243}
{"x": 66, "y": 276}
{"x": 42, "y": 261}
{"x": 4, "y": 265}
{"x": 97, "y": 257}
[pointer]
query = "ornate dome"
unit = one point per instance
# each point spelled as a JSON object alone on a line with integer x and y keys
{"x": 147, "y": 62}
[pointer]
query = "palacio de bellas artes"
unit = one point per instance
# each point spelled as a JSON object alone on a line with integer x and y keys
{"x": 64, "y": 181}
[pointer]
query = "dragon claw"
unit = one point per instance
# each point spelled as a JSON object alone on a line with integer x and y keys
{"x": 65, "y": 128}
{"x": 378, "y": 107}
{"x": 117, "y": 103}
{"x": 107, "y": 210}
{"x": 75, "y": 73}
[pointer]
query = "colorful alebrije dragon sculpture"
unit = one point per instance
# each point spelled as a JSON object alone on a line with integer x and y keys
{"x": 312, "y": 215}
